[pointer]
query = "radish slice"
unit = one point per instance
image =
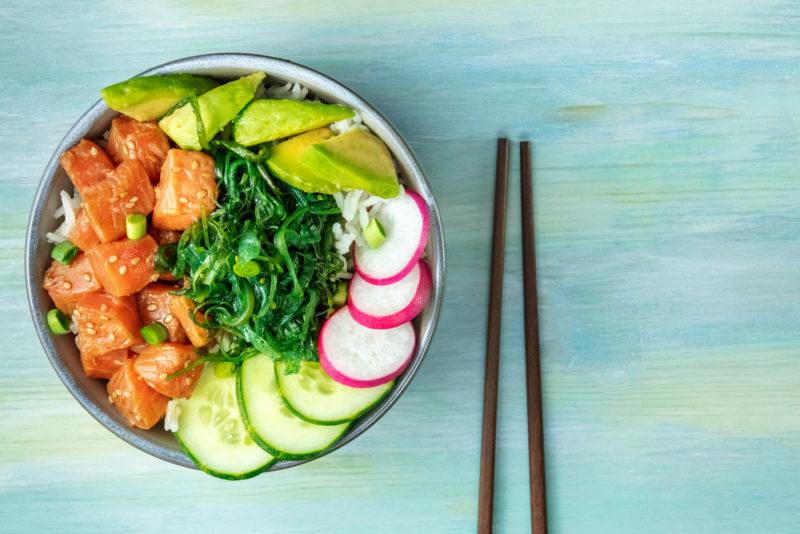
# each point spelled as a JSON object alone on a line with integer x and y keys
{"x": 384, "y": 307}
{"x": 406, "y": 221}
{"x": 362, "y": 357}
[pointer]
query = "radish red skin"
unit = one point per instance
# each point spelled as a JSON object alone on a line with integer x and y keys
{"x": 414, "y": 308}
{"x": 345, "y": 380}
{"x": 426, "y": 224}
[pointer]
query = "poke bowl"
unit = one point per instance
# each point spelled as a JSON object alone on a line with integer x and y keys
{"x": 242, "y": 254}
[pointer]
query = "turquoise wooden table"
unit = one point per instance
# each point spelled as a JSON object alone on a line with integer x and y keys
{"x": 668, "y": 181}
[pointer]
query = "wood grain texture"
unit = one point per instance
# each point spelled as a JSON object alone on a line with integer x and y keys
{"x": 667, "y": 194}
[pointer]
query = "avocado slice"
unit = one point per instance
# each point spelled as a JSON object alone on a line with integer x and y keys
{"x": 268, "y": 120}
{"x": 218, "y": 107}
{"x": 355, "y": 159}
{"x": 284, "y": 162}
{"x": 146, "y": 98}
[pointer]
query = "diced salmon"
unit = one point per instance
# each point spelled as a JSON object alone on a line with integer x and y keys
{"x": 125, "y": 266}
{"x": 104, "y": 365}
{"x": 183, "y": 309}
{"x": 83, "y": 235}
{"x": 154, "y": 308}
{"x": 187, "y": 190}
{"x": 127, "y": 190}
{"x": 67, "y": 283}
{"x": 86, "y": 164}
{"x": 140, "y": 141}
{"x": 139, "y": 404}
{"x": 106, "y": 323}
{"x": 156, "y": 362}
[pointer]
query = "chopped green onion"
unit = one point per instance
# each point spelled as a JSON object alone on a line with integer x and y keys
{"x": 246, "y": 269}
{"x": 135, "y": 226}
{"x": 340, "y": 297}
{"x": 374, "y": 233}
{"x": 165, "y": 258}
{"x": 154, "y": 333}
{"x": 64, "y": 252}
{"x": 57, "y": 322}
{"x": 223, "y": 369}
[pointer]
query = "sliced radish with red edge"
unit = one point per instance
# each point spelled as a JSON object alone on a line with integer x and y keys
{"x": 362, "y": 357}
{"x": 406, "y": 221}
{"x": 391, "y": 305}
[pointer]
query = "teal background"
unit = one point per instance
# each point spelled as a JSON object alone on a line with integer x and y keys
{"x": 666, "y": 164}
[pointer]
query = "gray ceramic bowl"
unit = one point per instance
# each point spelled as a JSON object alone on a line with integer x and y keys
{"x": 61, "y": 350}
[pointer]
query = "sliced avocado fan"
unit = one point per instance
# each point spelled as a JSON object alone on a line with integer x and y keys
{"x": 217, "y": 108}
{"x": 147, "y": 98}
{"x": 271, "y": 119}
{"x": 284, "y": 162}
{"x": 355, "y": 159}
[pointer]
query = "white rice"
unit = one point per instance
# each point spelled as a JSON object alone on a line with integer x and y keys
{"x": 69, "y": 205}
{"x": 172, "y": 416}
{"x": 344, "y": 125}
{"x": 289, "y": 90}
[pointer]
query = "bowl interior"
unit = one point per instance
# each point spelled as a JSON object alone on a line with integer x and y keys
{"x": 61, "y": 350}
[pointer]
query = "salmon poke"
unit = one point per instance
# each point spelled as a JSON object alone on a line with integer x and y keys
{"x": 242, "y": 264}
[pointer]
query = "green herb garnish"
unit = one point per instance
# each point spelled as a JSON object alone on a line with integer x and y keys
{"x": 261, "y": 267}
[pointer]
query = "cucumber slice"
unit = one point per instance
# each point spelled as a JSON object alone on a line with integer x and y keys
{"x": 212, "y": 432}
{"x": 276, "y": 429}
{"x": 315, "y": 397}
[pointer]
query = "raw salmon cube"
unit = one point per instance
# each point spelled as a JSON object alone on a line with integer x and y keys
{"x": 139, "y": 404}
{"x": 86, "y": 164}
{"x": 140, "y": 141}
{"x": 127, "y": 190}
{"x": 126, "y": 266}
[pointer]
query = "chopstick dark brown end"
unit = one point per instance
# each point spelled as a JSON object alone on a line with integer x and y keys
{"x": 532, "y": 356}
{"x": 486, "y": 492}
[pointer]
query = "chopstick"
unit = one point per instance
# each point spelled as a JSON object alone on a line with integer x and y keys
{"x": 532, "y": 362}
{"x": 486, "y": 493}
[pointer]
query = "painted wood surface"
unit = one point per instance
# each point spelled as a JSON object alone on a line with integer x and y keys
{"x": 668, "y": 184}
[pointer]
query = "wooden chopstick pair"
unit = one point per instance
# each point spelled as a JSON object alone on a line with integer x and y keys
{"x": 532, "y": 364}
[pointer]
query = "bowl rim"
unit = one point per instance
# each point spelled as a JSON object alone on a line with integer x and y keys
{"x": 282, "y": 68}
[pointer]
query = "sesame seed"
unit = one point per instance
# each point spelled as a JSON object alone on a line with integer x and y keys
{"x": 123, "y": 194}
{"x": 113, "y": 258}
{"x": 126, "y": 394}
{"x": 89, "y": 325}
{"x": 104, "y": 317}
{"x": 93, "y": 151}
{"x": 183, "y": 200}
{"x": 176, "y": 169}
{"x": 131, "y": 145}
{"x": 136, "y": 260}
{"x": 87, "y": 277}
{"x": 195, "y": 165}
{"x": 118, "y": 362}
{"x": 123, "y": 270}
{"x": 116, "y": 393}
{"x": 112, "y": 336}
{"x": 91, "y": 331}
{"x": 134, "y": 199}
{"x": 66, "y": 285}
{"x": 152, "y": 307}
{"x": 110, "y": 399}
{"x": 154, "y": 278}
{"x": 202, "y": 193}
{"x": 103, "y": 307}
{"x": 168, "y": 318}
{"x": 138, "y": 418}
{"x": 163, "y": 376}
